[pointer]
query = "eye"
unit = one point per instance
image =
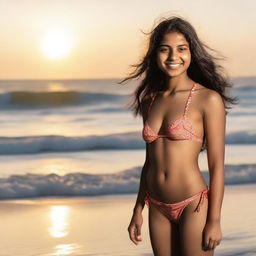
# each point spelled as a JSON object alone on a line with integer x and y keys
{"x": 182, "y": 49}
{"x": 163, "y": 49}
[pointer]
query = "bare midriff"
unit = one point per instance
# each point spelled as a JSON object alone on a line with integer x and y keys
{"x": 173, "y": 173}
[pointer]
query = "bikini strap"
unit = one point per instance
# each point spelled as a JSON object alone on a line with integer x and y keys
{"x": 152, "y": 99}
{"x": 204, "y": 193}
{"x": 189, "y": 99}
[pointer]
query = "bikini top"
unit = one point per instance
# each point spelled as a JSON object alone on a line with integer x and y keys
{"x": 180, "y": 129}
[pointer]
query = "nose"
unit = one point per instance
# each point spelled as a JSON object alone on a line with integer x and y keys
{"x": 172, "y": 55}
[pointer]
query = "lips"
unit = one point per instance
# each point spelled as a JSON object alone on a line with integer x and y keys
{"x": 173, "y": 64}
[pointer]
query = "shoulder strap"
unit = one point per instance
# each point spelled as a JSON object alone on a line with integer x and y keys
{"x": 189, "y": 99}
{"x": 152, "y": 99}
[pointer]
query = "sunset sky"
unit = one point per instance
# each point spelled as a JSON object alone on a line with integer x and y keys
{"x": 63, "y": 39}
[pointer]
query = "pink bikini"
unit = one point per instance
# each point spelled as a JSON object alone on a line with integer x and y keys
{"x": 180, "y": 129}
{"x": 173, "y": 211}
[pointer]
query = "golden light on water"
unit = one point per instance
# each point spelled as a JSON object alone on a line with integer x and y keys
{"x": 56, "y": 44}
{"x": 65, "y": 249}
{"x": 59, "y": 221}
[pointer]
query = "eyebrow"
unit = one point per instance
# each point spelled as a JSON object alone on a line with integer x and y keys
{"x": 169, "y": 45}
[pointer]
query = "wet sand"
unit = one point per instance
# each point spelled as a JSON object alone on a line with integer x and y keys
{"x": 83, "y": 226}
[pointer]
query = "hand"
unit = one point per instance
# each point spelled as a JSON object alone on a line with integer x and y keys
{"x": 134, "y": 228}
{"x": 211, "y": 235}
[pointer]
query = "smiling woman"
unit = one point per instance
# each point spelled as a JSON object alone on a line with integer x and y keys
{"x": 56, "y": 44}
{"x": 184, "y": 211}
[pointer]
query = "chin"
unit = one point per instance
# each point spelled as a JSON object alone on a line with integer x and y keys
{"x": 174, "y": 74}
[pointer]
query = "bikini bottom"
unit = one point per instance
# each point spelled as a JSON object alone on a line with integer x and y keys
{"x": 173, "y": 211}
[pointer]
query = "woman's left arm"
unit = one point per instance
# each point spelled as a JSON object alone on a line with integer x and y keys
{"x": 214, "y": 126}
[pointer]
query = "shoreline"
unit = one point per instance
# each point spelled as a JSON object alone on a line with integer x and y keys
{"x": 109, "y": 195}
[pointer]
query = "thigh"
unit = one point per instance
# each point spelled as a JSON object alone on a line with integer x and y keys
{"x": 191, "y": 227}
{"x": 163, "y": 233}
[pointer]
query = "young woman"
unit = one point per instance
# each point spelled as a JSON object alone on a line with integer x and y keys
{"x": 182, "y": 99}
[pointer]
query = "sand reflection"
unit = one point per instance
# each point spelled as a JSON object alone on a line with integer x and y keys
{"x": 59, "y": 221}
{"x": 65, "y": 249}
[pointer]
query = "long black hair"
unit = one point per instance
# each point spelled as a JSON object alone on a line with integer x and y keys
{"x": 203, "y": 68}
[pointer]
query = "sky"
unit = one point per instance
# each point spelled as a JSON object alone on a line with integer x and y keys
{"x": 82, "y": 39}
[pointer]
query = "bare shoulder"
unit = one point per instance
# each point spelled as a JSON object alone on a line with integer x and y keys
{"x": 207, "y": 94}
{"x": 210, "y": 99}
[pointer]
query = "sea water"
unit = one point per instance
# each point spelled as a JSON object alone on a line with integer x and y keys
{"x": 62, "y": 137}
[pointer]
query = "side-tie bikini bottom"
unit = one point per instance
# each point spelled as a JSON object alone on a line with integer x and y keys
{"x": 173, "y": 211}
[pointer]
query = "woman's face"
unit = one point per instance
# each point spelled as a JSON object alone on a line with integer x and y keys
{"x": 173, "y": 54}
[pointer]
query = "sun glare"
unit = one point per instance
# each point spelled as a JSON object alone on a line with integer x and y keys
{"x": 59, "y": 220}
{"x": 56, "y": 44}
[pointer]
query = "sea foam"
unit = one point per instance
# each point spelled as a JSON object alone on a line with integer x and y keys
{"x": 83, "y": 184}
{"x": 129, "y": 140}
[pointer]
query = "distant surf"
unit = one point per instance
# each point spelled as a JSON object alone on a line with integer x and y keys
{"x": 27, "y": 100}
{"x": 129, "y": 140}
{"x": 84, "y": 184}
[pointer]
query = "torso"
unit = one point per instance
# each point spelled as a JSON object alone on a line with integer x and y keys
{"x": 173, "y": 173}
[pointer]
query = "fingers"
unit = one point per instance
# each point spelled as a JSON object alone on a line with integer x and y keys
{"x": 138, "y": 233}
{"x": 206, "y": 244}
{"x": 210, "y": 244}
{"x": 135, "y": 234}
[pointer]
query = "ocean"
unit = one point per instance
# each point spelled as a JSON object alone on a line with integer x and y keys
{"x": 61, "y": 138}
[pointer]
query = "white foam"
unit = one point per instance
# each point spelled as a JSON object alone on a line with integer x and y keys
{"x": 130, "y": 140}
{"x": 83, "y": 184}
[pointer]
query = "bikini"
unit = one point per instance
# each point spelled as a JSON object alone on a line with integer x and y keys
{"x": 173, "y": 211}
{"x": 180, "y": 129}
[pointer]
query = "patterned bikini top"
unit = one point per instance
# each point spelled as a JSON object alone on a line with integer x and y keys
{"x": 180, "y": 129}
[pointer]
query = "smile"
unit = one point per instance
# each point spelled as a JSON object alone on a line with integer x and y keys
{"x": 174, "y": 65}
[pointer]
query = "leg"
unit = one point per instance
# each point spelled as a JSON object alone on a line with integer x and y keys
{"x": 191, "y": 227}
{"x": 164, "y": 234}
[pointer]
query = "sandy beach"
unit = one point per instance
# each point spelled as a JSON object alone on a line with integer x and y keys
{"x": 83, "y": 226}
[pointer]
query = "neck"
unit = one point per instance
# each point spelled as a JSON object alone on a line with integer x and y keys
{"x": 178, "y": 83}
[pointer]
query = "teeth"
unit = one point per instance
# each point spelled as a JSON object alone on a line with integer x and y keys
{"x": 174, "y": 65}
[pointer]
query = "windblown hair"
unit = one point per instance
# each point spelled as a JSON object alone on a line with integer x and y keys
{"x": 203, "y": 68}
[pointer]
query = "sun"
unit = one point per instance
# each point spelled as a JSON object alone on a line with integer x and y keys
{"x": 56, "y": 44}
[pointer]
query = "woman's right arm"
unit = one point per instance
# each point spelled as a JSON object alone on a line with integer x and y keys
{"x": 134, "y": 227}
{"x": 139, "y": 205}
